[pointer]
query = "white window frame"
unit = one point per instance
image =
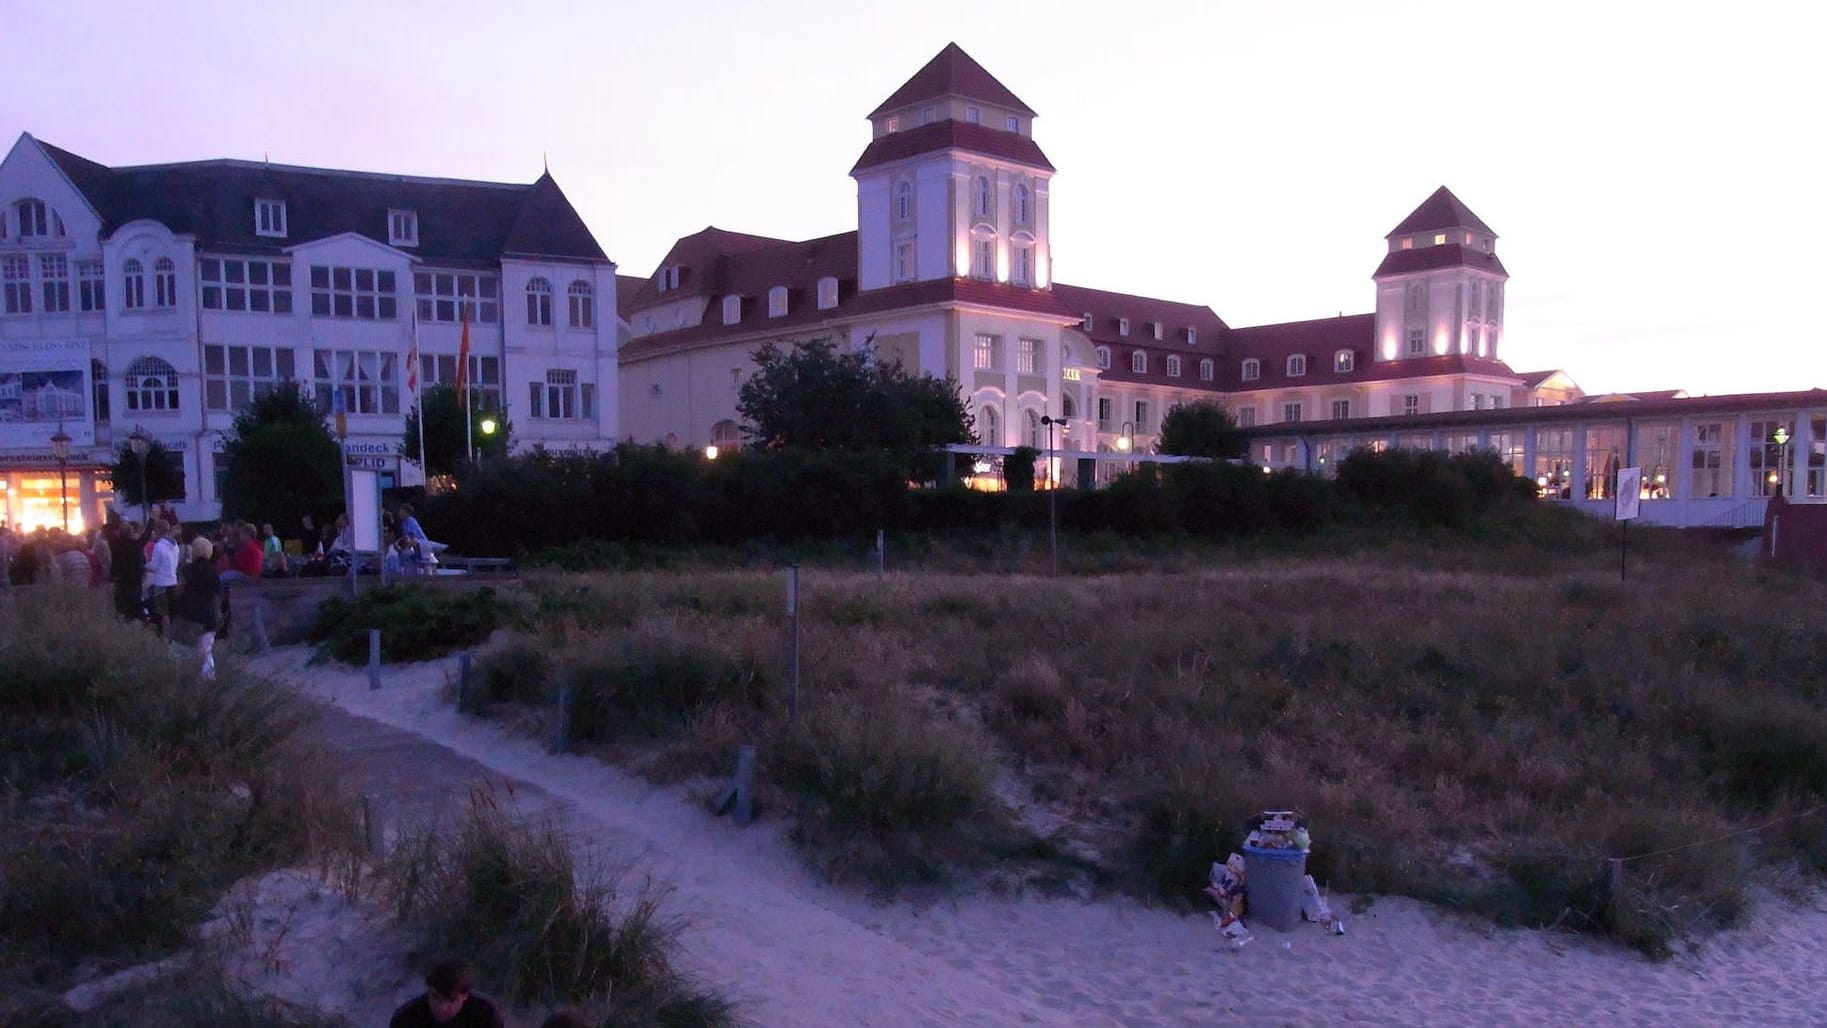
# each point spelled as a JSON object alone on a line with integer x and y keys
{"x": 1138, "y": 362}
{"x": 903, "y": 201}
{"x": 1411, "y": 403}
{"x": 152, "y": 386}
{"x": 1250, "y": 370}
{"x": 1208, "y": 370}
{"x": 1341, "y": 410}
{"x": 1023, "y": 213}
{"x": 1141, "y": 415}
{"x": 1103, "y": 358}
{"x": 443, "y": 296}
{"x": 484, "y": 376}
{"x": 983, "y": 258}
{"x": 904, "y": 260}
{"x": 1027, "y": 356}
{"x": 983, "y": 352}
{"x": 91, "y": 287}
{"x": 339, "y": 292}
{"x": 1246, "y": 416}
{"x": 1012, "y": 123}
{"x": 54, "y": 277}
{"x": 580, "y": 300}
{"x": 234, "y": 375}
{"x": 732, "y": 309}
{"x": 245, "y": 285}
{"x": 1291, "y": 411}
{"x": 1122, "y": 326}
{"x": 402, "y": 228}
{"x": 973, "y": 115}
{"x": 165, "y": 283}
{"x": 1192, "y": 337}
{"x": 1173, "y": 365}
{"x": 539, "y": 302}
{"x": 369, "y": 380}
{"x": 1343, "y": 362}
{"x": 133, "y": 284}
{"x": 17, "y": 270}
{"x": 1417, "y": 342}
{"x": 827, "y": 293}
{"x": 1297, "y": 365}
{"x": 777, "y": 301}
{"x": 1087, "y": 322}
{"x": 269, "y": 218}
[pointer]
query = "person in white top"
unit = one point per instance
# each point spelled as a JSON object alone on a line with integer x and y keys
{"x": 161, "y": 575}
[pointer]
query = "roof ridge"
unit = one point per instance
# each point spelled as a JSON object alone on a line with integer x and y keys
{"x": 386, "y": 176}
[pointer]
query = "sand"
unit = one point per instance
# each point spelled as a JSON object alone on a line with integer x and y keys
{"x": 795, "y": 951}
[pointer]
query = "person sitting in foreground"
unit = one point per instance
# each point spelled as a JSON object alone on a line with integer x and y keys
{"x": 448, "y": 1000}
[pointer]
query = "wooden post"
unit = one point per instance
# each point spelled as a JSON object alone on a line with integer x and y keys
{"x": 793, "y": 640}
{"x": 374, "y": 658}
{"x": 463, "y": 697}
{"x": 561, "y": 736}
{"x": 1614, "y": 884}
{"x": 745, "y": 779}
{"x": 261, "y": 642}
{"x": 373, "y": 831}
{"x": 881, "y": 555}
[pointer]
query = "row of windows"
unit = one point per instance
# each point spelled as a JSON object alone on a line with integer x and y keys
{"x": 1138, "y": 364}
{"x": 973, "y": 115}
{"x": 777, "y": 303}
{"x": 270, "y": 221}
{"x": 1343, "y": 362}
{"x": 1088, "y": 323}
{"x": 265, "y": 286}
{"x": 30, "y": 219}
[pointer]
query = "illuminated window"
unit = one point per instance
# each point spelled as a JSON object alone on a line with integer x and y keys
{"x": 1440, "y": 239}
{"x": 1343, "y": 361}
{"x": 894, "y": 124}
{"x": 1408, "y": 243}
{"x": 1027, "y": 356}
{"x": 983, "y": 353}
{"x": 1250, "y": 370}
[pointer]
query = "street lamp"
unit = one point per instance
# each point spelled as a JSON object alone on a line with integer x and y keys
{"x": 1052, "y": 493}
{"x": 140, "y": 444}
{"x": 60, "y": 448}
{"x": 1782, "y": 455}
{"x": 711, "y": 452}
{"x": 1127, "y": 439}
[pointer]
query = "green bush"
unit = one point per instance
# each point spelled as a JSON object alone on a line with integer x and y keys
{"x": 416, "y": 622}
{"x": 511, "y": 897}
{"x": 653, "y": 682}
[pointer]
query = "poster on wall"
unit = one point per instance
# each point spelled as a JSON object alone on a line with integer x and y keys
{"x": 44, "y": 385}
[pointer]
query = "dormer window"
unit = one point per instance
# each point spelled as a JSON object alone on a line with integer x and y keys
{"x": 667, "y": 278}
{"x": 1408, "y": 242}
{"x": 1173, "y": 366}
{"x": 973, "y": 114}
{"x": 827, "y": 293}
{"x": 269, "y": 218}
{"x": 777, "y": 302}
{"x": 1297, "y": 365}
{"x": 1343, "y": 361}
{"x": 1192, "y": 337}
{"x": 402, "y": 228}
{"x": 1103, "y": 357}
{"x": 1440, "y": 239}
{"x": 1138, "y": 362}
{"x": 1122, "y": 326}
{"x": 732, "y": 309}
{"x": 1012, "y": 123}
{"x": 1160, "y": 331}
{"x": 1085, "y": 323}
{"x": 894, "y": 124}
{"x": 928, "y": 114}
{"x": 1250, "y": 370}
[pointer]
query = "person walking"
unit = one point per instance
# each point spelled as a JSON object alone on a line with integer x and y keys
{"x": 128, "y": 566}
{"x": 161, "y": 576}
{"x": 199, "y": 591}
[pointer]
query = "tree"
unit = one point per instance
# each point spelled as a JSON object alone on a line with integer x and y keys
{"x": 811, "y": 397}
{"x": 446, "y": 444}
{"x": 164, "y": 475}
{"x": 1201, "y": 429}
{"x": 282, "y": 461}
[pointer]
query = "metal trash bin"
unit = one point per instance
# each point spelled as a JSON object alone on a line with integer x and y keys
{"x": 1272, "y": 886}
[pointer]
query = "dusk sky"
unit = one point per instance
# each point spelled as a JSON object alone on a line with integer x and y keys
{"x": 1652, "y": 170}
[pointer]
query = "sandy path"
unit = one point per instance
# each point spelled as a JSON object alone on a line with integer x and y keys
{"x": 797, "y": 952}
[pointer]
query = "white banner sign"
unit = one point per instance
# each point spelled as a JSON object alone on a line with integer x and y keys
{"x": 1630, "y": 490}
{"x": 44, "y": 386}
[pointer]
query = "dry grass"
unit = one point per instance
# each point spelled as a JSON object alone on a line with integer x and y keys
{"x": 1477, "y": 723}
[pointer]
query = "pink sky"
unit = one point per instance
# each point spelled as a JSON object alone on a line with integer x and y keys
{"x": 1651, "y": 169}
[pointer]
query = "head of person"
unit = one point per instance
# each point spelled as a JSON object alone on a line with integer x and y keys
{"x": 266, "y": 531}
{"x": 564, "y": 1019}
{"x": 200, "y": 548}
{"x": 405, "y": 510}
{"x": 448, "y": 984}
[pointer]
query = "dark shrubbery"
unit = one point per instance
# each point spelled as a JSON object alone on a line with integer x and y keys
{"x": 596, "y": 507}
{"x": 416, "y": 622}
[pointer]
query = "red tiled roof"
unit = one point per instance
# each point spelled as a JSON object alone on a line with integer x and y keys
{"x": 952, "y": 135}
{"x": 1447, "y": 255}
{"x": 1107, "y": 308}
{"x": 799, "y": 266}
{"x": 699, "y": 258}
{"x": 1319, "y": 341}
{"x": 1441, "y": 210}
{"x": 952, "y": 73}
{"x": 626, "y": 288}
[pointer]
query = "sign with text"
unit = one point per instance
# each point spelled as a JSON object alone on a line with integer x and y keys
{"x": 1630, "y": 490}
{"x": 45, "y": 384}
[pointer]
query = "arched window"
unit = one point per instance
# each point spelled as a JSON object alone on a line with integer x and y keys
{"x": 1343, "y": 361}
{"x": 152, "y": 385}
{"x": 1297, "y": 365}
{"x": 165, "y": 282}
{"x": 1207, "y": 370}
{"x": 98, "y": 382}
{"x": 583, "y": 307}
{"x": 539, "y": 302}
{"x": 1138, "y": 362}
{"x": 983, "y": 196}
{"x": 1417, "y": 299}
{"x": 1021, "y": 205}
{"x": 777, "y": 302}
{"x": 989, "y": 424}
{"x": 1173, "y": 366}
{"x": 1068, "y": 407}
{"x": 903, "y": 201}
{"x": 1103, "y": 357}
{"x": 1022, "y": 254}
{"x": 1251, "y": 370}
{"x": 34, "y": 220}
{"x": 726, "y": 436}
{"x": 133, "y": 275}
{"x": 1035, "y": 439}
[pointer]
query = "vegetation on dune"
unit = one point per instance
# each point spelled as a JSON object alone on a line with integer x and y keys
{"x": 1459, "y": 716}
{"x": 416, "y": 622}
{"x": 135, "y": 792}
{"x": 510, "y": 896}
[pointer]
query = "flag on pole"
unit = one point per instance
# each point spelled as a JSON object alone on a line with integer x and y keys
{"x": 463, "y": 356}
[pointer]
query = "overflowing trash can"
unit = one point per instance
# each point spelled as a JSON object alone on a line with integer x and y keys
{"x": 1268, "y": 882}
{"x": 1272, "y": 888}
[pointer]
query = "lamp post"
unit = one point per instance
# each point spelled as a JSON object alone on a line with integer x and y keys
{"x": 1782, "y": 456}
{"x": 1127, "y": 438}
{"x": 1052, "y": 493}
{"x": 140, "y": 444}
{"x": 488, "y": 425}
{"x": 60, "y": 448}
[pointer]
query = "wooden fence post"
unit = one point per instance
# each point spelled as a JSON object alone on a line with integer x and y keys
{"x": 374, "y": 658}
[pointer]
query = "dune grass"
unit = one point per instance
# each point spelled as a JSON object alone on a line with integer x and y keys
{"x": 132, "y": 792}
{"x": 1480, "y": 720}
{"x": 509, "y": 895}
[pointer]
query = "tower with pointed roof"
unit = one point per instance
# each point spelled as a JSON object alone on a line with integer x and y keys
{"x": 1440, "y": 287}
{"x": 952, "y": 184}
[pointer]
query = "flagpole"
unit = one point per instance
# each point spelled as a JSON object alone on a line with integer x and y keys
{"x": 418, "y": 397}
{"x": 469, "y": 419}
